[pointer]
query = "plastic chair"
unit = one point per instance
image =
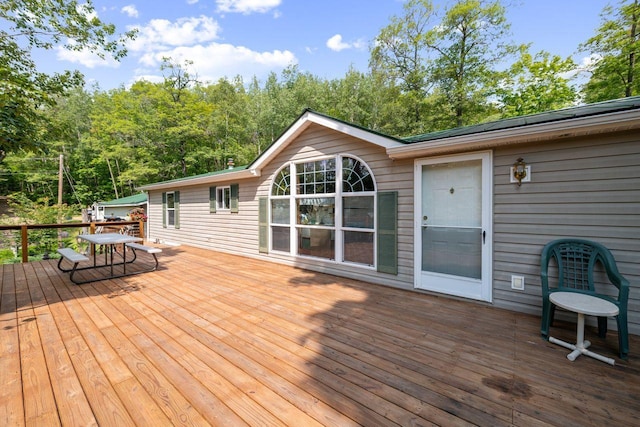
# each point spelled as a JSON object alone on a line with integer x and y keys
{"x": 576, "y": 260}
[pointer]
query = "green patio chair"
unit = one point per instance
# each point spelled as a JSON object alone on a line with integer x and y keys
{"x": 576, "y": 260}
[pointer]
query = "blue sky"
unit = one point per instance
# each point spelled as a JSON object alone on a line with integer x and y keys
{"x": 225, "y": 38}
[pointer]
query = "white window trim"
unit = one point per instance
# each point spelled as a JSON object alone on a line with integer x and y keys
{"x": 173, "y": 209}
{"x": 220, "y": 198}
{"x": 338, "y": 228}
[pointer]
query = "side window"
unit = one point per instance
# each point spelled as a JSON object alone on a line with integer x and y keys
{"x": 223, "y": 198}
{"x": 171, "y": 209}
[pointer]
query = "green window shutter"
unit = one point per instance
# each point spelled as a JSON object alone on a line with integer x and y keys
{"x": 177, "y": 209}
{"x": 164, "y": 210}
{"x": 212, "y": 199}
{"x": 263, "y": 225}
{"x": 233, "y": 202}
{"x": 388, "y": 232}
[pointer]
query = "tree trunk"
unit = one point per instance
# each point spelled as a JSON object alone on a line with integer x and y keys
{"x": 632, "y": 59}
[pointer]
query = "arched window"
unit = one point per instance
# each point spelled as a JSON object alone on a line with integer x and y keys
{"x": 321, "y": 210}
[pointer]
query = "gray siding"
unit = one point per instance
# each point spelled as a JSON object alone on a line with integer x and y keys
{"x": 223, "y": 231}
{"x": 318, "y": 141}
{"x": 238, "y": 233}
{"x": 587, "y": 188}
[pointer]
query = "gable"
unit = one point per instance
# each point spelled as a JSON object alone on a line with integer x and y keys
{"x": 290, "y": 135}
{"x": 309, "y": 118}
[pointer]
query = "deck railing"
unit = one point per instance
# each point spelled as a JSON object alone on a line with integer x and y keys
{"x": 89, "y": 227}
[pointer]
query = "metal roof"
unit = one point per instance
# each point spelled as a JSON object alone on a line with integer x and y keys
{"x": 533, "y": 119}
{"x": 136, "y": 199}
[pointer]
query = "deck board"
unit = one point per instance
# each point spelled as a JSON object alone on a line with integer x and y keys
{"x": 217, "y": 339}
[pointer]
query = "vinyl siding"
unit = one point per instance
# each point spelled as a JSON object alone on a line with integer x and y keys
{"x": 199, "y": 227}
{"x": 317, "y": 141}
{"x": 587, "y": 188}
{"x": 238, "y": 233}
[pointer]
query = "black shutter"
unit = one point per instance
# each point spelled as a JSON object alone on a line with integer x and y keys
{"x": 388, "y": 232}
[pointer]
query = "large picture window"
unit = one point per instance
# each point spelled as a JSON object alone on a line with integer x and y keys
{"x": 325, "y": 208}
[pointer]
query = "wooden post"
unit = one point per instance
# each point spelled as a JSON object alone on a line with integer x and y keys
{"x": 25, "y": 243}
{"x": 141, "y": 225}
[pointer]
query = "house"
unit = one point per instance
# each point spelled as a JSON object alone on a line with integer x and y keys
{"x": 441, "y": 212}
{"x": 119, "y": 208}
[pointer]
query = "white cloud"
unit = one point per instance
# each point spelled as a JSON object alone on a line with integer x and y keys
{"x": 86, "y": 58}
{"x": 130, "y": 10}
{"x": 151, "y": 78}
{"x": 84, "y": 9}
{"x": 247, "y": 6}
{"x": 214, "y": 61}
{"x": 161, "y": 34}
{"x": 192, "y": 1}
{"x": 336, "y": 44}
{"x": 588, "y": 63}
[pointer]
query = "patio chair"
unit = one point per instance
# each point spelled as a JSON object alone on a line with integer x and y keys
{"x": 576, "y": 260}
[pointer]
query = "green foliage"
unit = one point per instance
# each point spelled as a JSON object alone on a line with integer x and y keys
{"x": 429, "y": 70}
{"x": 443, "y": 69}
{"x": 469, "y": 42}
{"x": 8, "y": 257}
{"x": 43, "y": 24}
{"x": 537, "y": 83}
{"x": 615, "y": 48}
{"x": 26, "y": 211}
{"x": 401, "y": 55}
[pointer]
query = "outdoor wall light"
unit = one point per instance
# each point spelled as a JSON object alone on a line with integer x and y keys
{"x": 520, "y": 171}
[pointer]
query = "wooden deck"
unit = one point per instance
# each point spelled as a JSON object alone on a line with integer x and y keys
{"x": 215, "y": 339}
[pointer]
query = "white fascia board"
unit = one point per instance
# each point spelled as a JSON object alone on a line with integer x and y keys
{"x": 592, "y": 125}
{"x": 356, "y": 132}
{"x": 290, "y": 134}
{"x": 304, "y": 122}
{"x": 199, "y": 180}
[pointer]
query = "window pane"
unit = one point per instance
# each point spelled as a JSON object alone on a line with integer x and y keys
{"x": 356, "y": 176}
{"x": 456, "y": 251}
{"x": 316, "y": 177}
{"x": 223, "y": 197}
{"x": 357, "y": 212}
{"x": 317, "y": 242}
{"x": 171, "y": 200}
{"x": 171, "y": 217}
{"x": 280, "y": 211}
{"x": 316, "y": 211}
{"x": 358, "y": 247}
{"x": 226, "y": 197}
{"x": 280, "y": 238}
{"x": 282, "y": 183}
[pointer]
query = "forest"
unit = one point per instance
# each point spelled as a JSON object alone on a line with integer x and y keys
{"x": 429, "y": 70}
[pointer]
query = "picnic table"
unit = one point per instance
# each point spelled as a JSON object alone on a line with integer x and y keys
{"x": 110, "y": 243}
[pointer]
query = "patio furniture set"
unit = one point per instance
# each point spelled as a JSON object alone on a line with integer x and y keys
{"x": 105, "y": 270}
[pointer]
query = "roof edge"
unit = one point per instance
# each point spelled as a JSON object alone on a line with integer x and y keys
{"x": 219, "y": 176}
{"x": 588, "y": 125}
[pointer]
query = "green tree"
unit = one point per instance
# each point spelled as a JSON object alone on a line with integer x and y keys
{"x": 444, "y": 70}
{"x": 615, "y": 48}
{"x": 43, "y": 24}
{"x": 534, "y": 84}
{"x": 400, "y": 58}
{"x": 469, "y": 41}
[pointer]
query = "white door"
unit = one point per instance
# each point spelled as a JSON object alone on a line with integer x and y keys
{"x": 453, "y": 225}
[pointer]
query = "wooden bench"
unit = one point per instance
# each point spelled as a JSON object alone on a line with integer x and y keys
{"x": 71, "y": 256}
{"x": 148, "y": 249}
